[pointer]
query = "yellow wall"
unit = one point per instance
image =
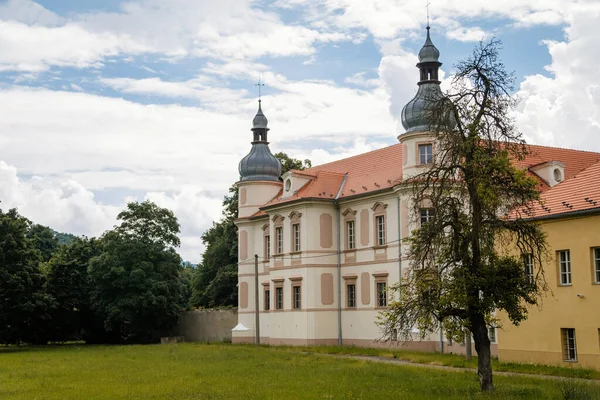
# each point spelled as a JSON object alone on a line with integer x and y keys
{"x": 538, "y": 339}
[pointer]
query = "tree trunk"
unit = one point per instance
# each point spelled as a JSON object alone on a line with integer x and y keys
{"x": 484, "y": 353}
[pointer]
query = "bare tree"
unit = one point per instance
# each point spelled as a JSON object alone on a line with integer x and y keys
{"x": 467, "y": 261}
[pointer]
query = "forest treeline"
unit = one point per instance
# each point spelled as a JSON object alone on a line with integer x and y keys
{"x": 127, "y": 286}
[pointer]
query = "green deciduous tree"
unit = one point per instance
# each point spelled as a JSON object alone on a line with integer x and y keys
{"x": 44, "y": 239}
{"x": 24, "y": 305}
{"x": 135, "y": 281}
{"x": 215, "y": 281}
{"x": 460, "y": 272}
{"x": 69, "y": 285}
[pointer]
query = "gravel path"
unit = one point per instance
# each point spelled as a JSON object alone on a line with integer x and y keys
{"x": 393, "y": 361}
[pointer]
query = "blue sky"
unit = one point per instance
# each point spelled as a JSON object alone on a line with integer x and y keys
{"x": 110, "y": 101}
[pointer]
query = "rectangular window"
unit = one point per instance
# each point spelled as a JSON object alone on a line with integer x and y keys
{"x": 267, "y": 300}
{"x": 279, "y": 298}
{"x": 267, "y": 247}
{"x": 569, "y": 346}
{"x": 492, "y": 334}
{"x": 564, "y": 264}
{"x": 597, "y": 265}
{"x": 279, "y": 238}
{"x": 350, "y": 234}
{"x": 426, "y": 215}
{"x": 297, "y": 299}
{"x": 380, "y": 222}
{"x": 426, "y": 153}
{"x": 351, "y": 291}
{"x": 381, "y": 294}
{"x": 296, "y": 236}
{"x": 528, "y": 266}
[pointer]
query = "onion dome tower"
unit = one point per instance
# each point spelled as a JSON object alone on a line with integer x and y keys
{"x": 418, "y": 140}
{"x": 259, "y": 170}
{"x": 260, "y": 164}
{"x": 414, "y": 114}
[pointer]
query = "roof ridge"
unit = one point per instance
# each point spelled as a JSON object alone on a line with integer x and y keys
{"x": 561, "y": 148}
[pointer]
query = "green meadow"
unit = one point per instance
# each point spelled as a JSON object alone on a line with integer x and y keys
{"x": 224, "y": 371}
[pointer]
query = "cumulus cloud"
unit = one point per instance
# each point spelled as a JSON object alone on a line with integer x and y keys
{"x": 194, "y": 89}
{"x": 184, "y": 158}
{"x": 67, "y": 206}
{"x": 564, "y": 109}
{"x": 33, "y": 38}
{"x": 389, "y": 18}
{"x": 36, "y": 48}
{"x": 28, "y": 12}
{"x": 470, "y": 34}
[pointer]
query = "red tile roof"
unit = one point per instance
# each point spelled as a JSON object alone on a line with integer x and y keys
{"x": 325, "y": 186}
{"x": 367, "y": 172}
{"x": 382, "y": 169}
{"x": 580, "y": 192}
{"x": 574, "y": 160}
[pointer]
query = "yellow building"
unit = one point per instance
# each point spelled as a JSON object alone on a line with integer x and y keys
{"x": 566, "y": 326}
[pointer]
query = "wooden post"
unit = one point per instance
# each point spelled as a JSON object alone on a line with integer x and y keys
{"x": 256, "y": 302}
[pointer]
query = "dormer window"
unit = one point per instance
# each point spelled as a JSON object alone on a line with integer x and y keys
{"x": 551, "y": 172}
{"x": 558, "y": 177}
{"x": 426, "y": 153}
{"x": 293, "y": 181}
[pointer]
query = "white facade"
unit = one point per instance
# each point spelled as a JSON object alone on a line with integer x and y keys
{"x": 326, "y": 315}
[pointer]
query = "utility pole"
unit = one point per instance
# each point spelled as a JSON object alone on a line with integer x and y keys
{"x": 256, "y": 303}
{"x": 468, "y": 346}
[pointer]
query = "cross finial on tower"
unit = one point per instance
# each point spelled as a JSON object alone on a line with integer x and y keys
{"x": 259, "y": 84}
{"x": 428, "y": 3}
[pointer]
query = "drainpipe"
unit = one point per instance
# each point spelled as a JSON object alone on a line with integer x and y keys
{"x": 339, "y": 257}
{"x": 399, "y": 245}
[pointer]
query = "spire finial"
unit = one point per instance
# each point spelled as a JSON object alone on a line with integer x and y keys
{"x": 259, "y": 84}
{"x": 428, "y": 3}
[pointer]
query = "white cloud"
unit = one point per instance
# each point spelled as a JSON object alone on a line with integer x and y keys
{"x": 390, "y": 18}
{"x": 29, "y": 12}
{"x": 193, "y": 88}
{"x": 79, "y": 133}
{"x": 564, "y": 109}
{"x": 471, "y": 34}
{"x": 33, "y": 38}
{"x": 67, "y": 206}
{"x": 360, "y": 80}
{"x": 35, "y": 48}
{"x": 182, "y": 157}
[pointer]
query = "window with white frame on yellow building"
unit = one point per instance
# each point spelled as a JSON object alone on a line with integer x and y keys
{"x": 564, "y": 267}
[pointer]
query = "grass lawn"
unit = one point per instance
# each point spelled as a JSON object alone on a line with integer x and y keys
{"x": 200, "y": 371}
{"x": 569, "y": 370}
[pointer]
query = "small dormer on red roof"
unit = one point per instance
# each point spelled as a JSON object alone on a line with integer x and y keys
{"x": 551, "y": 172}
{"x": 293, "y": 181}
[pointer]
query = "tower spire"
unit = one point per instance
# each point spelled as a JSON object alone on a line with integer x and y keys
{"x": 415, "y": 114}
{"x": 260, "y": 164}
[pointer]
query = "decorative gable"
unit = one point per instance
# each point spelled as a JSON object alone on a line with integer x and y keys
{"x": 551, "y": 172}
{"x": 294, "y": 181}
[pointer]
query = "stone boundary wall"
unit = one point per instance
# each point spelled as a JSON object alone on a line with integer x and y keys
{"x": 206, "y": 325}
